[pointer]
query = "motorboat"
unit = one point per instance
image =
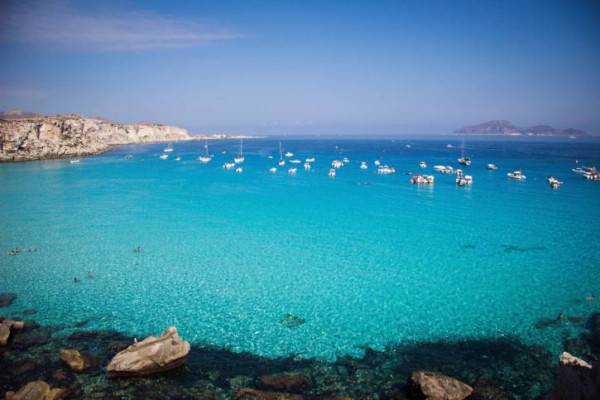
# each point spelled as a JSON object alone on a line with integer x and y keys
{"x": 345, "y": 160}
{"x": 337, "y": 164}
{"x": 164, "y": 156}
{"x": 292, "y": 171}
{"x": 295, "y": 161}
{"x": 168, "y": 149}
{"x": 492, "y": 167}
{"x": 423, "y": 164}
{"x": 592, "y": 176}
{"x": 331, "y": 173}
{"x": 517, "y": 175}
{"x": 307, "y": 166}
{"x": 363, "y": 165}
{"x": 281, "y": 163}
{"x": 464, "y": 161}
{"x": 444, "y": 169}
{"x": 449, "y": 146}
{"x": 310, "y": 159}
{"x": 377, "y": 163}
{"x": 585, "y": 170}
{"x": 385, "y": 170}
{"x": 177, "y": 158}
{"x": 75, "y": 161}
{"x": 553, "y": 182}
{"x": 463, "y": 180}
{"x": 289, "y": 154}
{"x": 422, "y": 179}
{"x": 273, "y": 170}
{"x": 229, "y": 165}
{"x": 239, "y": 170}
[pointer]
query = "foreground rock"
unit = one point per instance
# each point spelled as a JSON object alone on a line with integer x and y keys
{"x": 6, "y": 299}
{"x": 6, "y": 328}
{"x": 76, "y": 360}
{"x": 433, "y": 386}
{"x": 284, "y": 382}
{"x": 253, "y": 394}
{"x": 151, "y": 355}
{"x": 37, "y": 390}
{"x": 60, "y": 136}
{"x": 569, "y": 359}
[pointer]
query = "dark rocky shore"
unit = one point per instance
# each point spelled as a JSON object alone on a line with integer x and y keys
{"x": 480, "y": 369}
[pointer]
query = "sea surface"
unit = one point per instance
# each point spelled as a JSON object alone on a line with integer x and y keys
{"x": 363, "y": 259}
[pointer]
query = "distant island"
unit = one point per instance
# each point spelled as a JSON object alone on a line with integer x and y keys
{"x": 26, "y": 136}
{"x": 506, "y": 128}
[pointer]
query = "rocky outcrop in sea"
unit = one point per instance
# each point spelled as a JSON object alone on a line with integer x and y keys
{"x": 64, "y": 136}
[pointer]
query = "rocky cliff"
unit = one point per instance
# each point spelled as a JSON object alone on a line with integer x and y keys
{"x": 60, "y": 136}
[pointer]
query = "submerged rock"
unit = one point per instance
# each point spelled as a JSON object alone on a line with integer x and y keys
{"x": 433, "y": 386}
{"x": 284, "y": 382}
{"x": 6, "y": 327}
{"x": 7, "y": 298}
{"x": 151, "y": 355}
{"x": 253, "y": 394}
{"x": 37, "y": 390}
{"x": 77, "y": 361}
{"x": 576, "y": 383}
{"x": 569, "y": 359}
{"x": 292, "y": 321}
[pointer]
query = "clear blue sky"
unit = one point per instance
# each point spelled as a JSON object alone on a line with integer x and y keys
{"x": 286, "y": 67}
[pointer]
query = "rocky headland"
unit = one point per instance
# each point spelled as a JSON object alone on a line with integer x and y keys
{"x": 506, "y": 128}
{"x": 33, "y": 137}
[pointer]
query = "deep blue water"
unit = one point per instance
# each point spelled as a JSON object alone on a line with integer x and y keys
{"x": 364, "y": 259}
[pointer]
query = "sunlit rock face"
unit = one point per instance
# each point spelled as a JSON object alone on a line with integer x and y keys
{"x": 62, "y": 136}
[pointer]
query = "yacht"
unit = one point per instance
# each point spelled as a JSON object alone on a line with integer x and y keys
{"x": 295, "y": 161}
{"x": 363, "y": 165}
{"x": 164, "y": 156}
{"x": 423, "y": 164}
{"x": 553, "y": 182}
{"x": 422, "y": 179}
{"x": 168, "y": 149}
{"x": 206, "y": 158}
{"x": 75, "y": 161}
{"x": 331, "y": 173}
{"x": 585, "y": 170}
{"x": 517, "y": 175}
{"x": 444, "y": 169}
{"x": 229, "y": 165}
{"x": 307, "y": 166}
{"x": 289, "y": 154}
{"x": 337, "y": 164}
{"x": 385, "y": 170}
{"x": 492, "y": 167}
{"x": 310, "y": 159}
{"x": 292, "y": 171}
{"x": 273, "y": 170}
{"x": 240, "y": 158}
{"x": 592, "y": 176}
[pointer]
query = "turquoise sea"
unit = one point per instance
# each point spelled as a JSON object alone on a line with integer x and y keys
{"x": 364, "y": 259}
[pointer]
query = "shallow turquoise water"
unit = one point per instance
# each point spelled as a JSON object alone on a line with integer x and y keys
{"x": 363, "y": 258}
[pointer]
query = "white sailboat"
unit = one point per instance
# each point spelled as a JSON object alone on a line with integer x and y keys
{"x": 463, "y": 160}
{"x": 206, "y": 158}
{"x": 168, "y": 149}
{"x": 281, "y": 160}
{"x": 240, "y": 158}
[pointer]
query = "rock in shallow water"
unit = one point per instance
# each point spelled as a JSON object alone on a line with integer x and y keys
{"x": 284, "y": 382}
{"x": 433, "y": 386}
{"x": 253, "y": 394}
{"x": 569, "y": 359}
{"x": 77, "y": 361}
{"x": 151, "y": 355}
{"x": 37, "y": 390}
{"x": 7, "y": 327}
{"x": 6, "y": 299}
{"x": 292, "y": 321}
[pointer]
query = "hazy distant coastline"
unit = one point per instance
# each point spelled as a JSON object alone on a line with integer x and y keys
{"x": 506, "y": 128}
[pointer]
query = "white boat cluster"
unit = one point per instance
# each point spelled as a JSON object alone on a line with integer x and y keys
{"x": 589, "y": 173}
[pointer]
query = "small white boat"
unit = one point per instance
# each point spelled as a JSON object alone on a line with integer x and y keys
{"x": 168, "y": 149}
{"x": 585, "y": 170}
{"x": 240, "y": 158}
{"x": 363, "y": 165}
{"x": 281, "y": 163}
{"x": 377, "y": 163}
{"x": 270, "y": 157}
{"x": 408, "y": 146}
{"x": 554, "y": 183}
{"x": 449, "y": 146}
{"x": 273, "y": 170}
{"x": 423, "y": 164}
{"x": 289, "y": 154}
{"x": 177, "y": 158}
{"x": 444, "y": 169}
{"x": 422, "y": 179}
{"x": 331, "y": 173}
{"x": 239, "y": 170}
{"x": 516, "y": 175}
{"x": 292, "y": 171}
{"x": 385, "y": 170}
{"x": 464, "y": 161}
{"x": 463, "y": 180}
{"x": 75, "y": 161}
{"x": 229, "y": 165}
{"x": 337, "y": 164}
{"x": 206, "y": 158}
{"x": 345, "y": 160}
{"x": 492, "y": 167}
{"x": 295, "y": 161}
{"x": 164, "y": 156}
{"x": 310, "y": 159}
{"x": 307, "y": 166}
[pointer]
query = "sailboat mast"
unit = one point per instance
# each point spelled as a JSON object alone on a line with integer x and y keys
{"x": 280, "y": 151}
